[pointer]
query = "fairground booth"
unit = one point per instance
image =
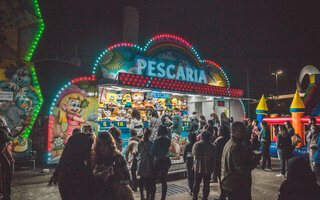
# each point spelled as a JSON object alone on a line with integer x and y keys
{"x": 166, "y": 73}
{"x": 20, "y": 95}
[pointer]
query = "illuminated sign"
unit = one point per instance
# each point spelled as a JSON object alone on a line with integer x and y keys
{"x": 220, "y": 103}
{"x": 161, "y": 69}
{"x": 159, "y": 95}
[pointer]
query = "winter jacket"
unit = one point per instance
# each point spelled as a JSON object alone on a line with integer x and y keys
{"x": 265, "y": 136}
{"x": 160, "y": 148}
{"x": 204, "y": 154}
{"x": 316, "y": 157}
{"x": 145, "y": 159}
{"x": 236, "y": 166}
{"x": 193, "y": 127}
{"x": 219, "y": 143}
{"x": 187, "y": 155}
{"x": 177, "y": 124}
{"x": 154, "y": 125}
{"x": 132, "y": 150}
{"x": 314, "y": 139}
{"x": 284, "y": 144}
{"x": 165, "y": 122}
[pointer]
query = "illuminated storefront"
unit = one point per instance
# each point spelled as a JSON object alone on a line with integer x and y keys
{"x": 167, "y": 73}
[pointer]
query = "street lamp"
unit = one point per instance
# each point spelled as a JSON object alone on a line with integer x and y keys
{"x": 276, "y": 74}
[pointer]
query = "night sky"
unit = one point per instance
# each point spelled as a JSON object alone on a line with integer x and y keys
{"x": 260, "y": 35}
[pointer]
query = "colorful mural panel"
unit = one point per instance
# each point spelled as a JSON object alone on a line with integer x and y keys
{"x": 20, "y": 97}
{"x": 75, "y": 106}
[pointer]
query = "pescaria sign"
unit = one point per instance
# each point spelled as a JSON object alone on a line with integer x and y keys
{"x": 161, "y": 69}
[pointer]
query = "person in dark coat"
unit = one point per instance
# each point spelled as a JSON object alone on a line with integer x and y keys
{"x": 284, "y": 147}
{"x": 188, "y": 159}
{"x": 6, "y": 163}
{"x": 160, "y": 153}
{"x": 316, "y": 160}
{"x": 73, "y": 173}
{"x": 166, "y": 119}
{"x": 220, "y": 143}
{"x": 145, "y": 163}
{"x": 301, "y": 182}
{"x": 204, "y": 153}
{"x": 246, "y": 142}
{"x": 110, "y": 170}
{"x": 313, "y": 136}
{"x": 265, "y": 141}
{"x": 193, "y": 125}
{"x": 236, "y": 166}
{"x": 116, "y": 134}
{"x": 132, "y": 151}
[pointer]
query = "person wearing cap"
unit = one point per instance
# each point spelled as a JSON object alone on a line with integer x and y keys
{"x": 236, "y": 165}
{"x": 6, "y": 161}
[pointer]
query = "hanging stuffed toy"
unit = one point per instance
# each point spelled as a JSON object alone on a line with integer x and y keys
{"x": 111, "y": 100}
{"x": 126, "y": 100}
{"x": 137, "y": 100}
{"x": 148, "y": 103}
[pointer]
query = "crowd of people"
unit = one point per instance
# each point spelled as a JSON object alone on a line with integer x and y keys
{"x": 94, "y": 167}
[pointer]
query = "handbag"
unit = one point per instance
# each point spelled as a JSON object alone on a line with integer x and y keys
{"x": 295, "y": 140}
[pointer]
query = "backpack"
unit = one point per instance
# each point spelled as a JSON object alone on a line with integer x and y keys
{"x": 295, "y": 140}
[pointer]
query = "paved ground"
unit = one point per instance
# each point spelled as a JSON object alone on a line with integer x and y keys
{"x": 33, "y": 186}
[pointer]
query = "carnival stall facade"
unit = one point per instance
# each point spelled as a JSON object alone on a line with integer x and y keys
{"x": 167, "y": 73}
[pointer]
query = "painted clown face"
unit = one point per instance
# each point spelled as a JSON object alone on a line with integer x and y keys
{"x": 73, "y": 106}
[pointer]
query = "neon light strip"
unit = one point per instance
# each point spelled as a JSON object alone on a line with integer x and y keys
{"x": 182, "y": 86}
{"x": 158, "y": 37}
{"x": 28, "y": 57}
{"x": 110, "y": 48}
{"x": 243, "y": 107}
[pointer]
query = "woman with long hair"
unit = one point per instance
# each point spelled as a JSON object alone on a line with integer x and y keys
{"x": 73, "y": 173}
{"x": 155, "y": 122}
{"x": 145, "y": 163}
{"x": 284, "y": 147}
{"x": 214, "y": 117}
{"x": 110, "y": 170}
{"x": 116, "y": 134}
{"x": 136, "y": 122}
{"x": 203, "y": 118}
{"x": 265, "y": 141}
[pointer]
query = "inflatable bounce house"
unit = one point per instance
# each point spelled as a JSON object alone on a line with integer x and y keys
{"x": 20, "y": 95}
{"x": 301, "y": 109}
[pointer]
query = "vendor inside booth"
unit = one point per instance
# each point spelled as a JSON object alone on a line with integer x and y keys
{"x": 167, "y": 73}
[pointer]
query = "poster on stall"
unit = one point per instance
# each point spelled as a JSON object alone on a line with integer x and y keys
{"x": 75, "y": 107}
